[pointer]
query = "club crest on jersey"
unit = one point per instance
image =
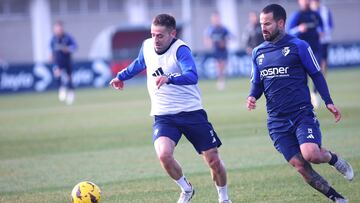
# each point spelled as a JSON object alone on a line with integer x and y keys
{"x": 158, "y": 72}
{"x": 260, "y": 59}
{"x": 285, "y": 51}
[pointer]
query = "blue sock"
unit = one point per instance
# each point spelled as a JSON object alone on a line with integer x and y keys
{"x": 332, "y": 194}
{"x": 333, "y": 159}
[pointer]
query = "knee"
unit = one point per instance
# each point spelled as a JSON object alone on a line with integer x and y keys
{"x": 165, "y": 158}
{"x": 215, "y": 163}
{"x": 312, "y": 157}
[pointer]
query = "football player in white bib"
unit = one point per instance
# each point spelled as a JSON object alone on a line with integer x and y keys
{"x": 175, "y": 104}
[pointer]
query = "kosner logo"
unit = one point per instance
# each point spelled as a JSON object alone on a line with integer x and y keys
{"x": 274, "y": 72}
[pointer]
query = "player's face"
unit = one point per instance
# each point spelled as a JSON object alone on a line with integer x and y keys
{"x": 304, "y": 4}
{"x": 215, "y": 19}
{"x": 58, "y": 29}
{"x": 269, "y": 26}
{"x": 314, "y": 5}
{"x": 253, "y": 18}
{"x": 162, "y": 36}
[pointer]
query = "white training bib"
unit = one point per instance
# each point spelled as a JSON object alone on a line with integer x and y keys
{"x": 169, "y": 99}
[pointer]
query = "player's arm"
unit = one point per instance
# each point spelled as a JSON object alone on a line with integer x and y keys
{"x": 188, "y": 74}
{"x": 292, "y": 27}
{"x": 72, "y": 45}
{"x": 207, "y": 38}
{"x": 331, "y": 21}
{"x": 320, "y": 25}
{"x": 256, "y": 88}
{"x": 52, "y": 50}
{"x": 133, "y": 69}
{"x": 313, "y": 69}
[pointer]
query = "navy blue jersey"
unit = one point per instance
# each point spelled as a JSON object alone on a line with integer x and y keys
{"x": 280, "y": 69}
{"x": 314, "y": 24}
{"x": 218, "y": 36}
{"x": 57, "y": 44}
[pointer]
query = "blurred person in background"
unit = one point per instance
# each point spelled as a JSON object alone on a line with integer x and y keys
{"x": 252, "y": 35}
{"x": 328, "y": 25}
{"x": 216, "y": 37}
{"x": 307, "y": 25}
{"x": 62, "y": 47}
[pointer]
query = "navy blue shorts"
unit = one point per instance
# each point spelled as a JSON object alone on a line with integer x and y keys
{"x": 220, "y": 54}
{"x": 289, "y": 133}
{"x": 324, "y": 51}
{"x": 194, "y": 125}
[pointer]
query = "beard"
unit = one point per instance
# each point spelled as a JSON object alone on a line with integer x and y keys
{"x": 272, "y": 36}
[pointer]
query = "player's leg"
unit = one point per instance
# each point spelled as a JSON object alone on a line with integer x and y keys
{"x": 309, "y": 138}
{"x": 164, "y": 148}
{"x": 218, "y": 172}
{"x": 221, "y": 65}
{"x": 166, "y": 136}
{"x": 314, "y": 154}
{"x": 314, "y": 179}
{"x": 324, "y": 58}
{"x": 216, "y": 166}
{"x": 221, "y": 62}
{"x": 57, "y": 74}
{"x": 70, "y": 96}
{"x": 288, "y": 146}
{"x": 205, "y": 140}
{"x": 57, "y": 70}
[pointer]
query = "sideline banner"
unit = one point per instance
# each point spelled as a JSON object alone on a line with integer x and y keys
{"x": 39, "y": 77}
{"x": 344, "y": 55}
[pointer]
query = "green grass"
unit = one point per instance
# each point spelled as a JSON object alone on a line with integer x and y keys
{"x": 47, "y": 147}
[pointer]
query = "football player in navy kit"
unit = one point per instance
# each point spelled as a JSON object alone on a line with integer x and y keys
{"x": 280, "y": 68}
{"x": 62, "y": 47}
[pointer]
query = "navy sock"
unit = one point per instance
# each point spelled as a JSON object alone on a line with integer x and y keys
{"x": 333, "y": 159}
{"x": 332, "y": 194}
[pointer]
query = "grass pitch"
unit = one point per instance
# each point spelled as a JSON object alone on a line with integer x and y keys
{"x": 47, "y": 147}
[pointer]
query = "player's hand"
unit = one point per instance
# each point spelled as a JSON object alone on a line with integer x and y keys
{"x": 335, "y": 111}
{"x": 161, "y": 80}
{"x": 65, "y": 49}
{"x": 117, "y": 84}
{"x": 57, "y": 72}
{"x": 302, "y": 27}
{"x": 251, "y": 103}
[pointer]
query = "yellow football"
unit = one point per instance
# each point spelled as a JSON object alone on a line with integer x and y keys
{"x": 86, "y": 192}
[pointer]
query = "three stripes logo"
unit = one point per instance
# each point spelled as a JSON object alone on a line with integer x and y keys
{"x": 158, "y": 72}
{"x": 310, "y": 136}
{"x": 213, "y": 136}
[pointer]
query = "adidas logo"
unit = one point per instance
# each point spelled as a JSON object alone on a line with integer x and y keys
{"x": 311, "y": 136}
{"x": 158, "y": 72}
{"x": 214, "y": 140}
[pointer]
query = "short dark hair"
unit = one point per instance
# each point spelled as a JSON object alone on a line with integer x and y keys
{"x": 277, "y": 10}
{"x": 165, "y": 20}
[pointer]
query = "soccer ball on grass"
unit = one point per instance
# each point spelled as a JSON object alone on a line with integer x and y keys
{"x": 86, "y": 192}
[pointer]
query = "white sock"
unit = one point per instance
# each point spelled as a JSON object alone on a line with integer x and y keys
{"x": 184, "y": 184}
{"x": 222, "y": 191}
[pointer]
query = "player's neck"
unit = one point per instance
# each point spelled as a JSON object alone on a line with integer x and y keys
{"x": 279, "y": 37}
